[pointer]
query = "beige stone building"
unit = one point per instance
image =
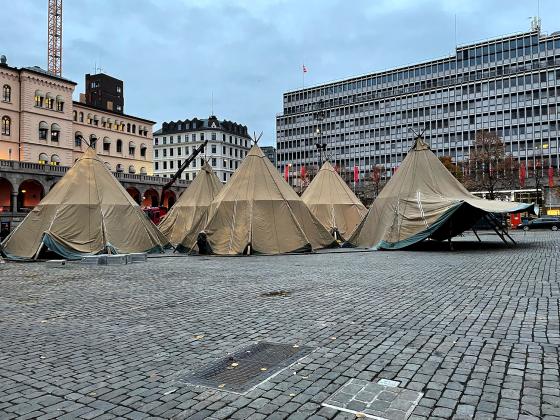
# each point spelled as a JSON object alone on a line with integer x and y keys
{"x": 41, "y": 124}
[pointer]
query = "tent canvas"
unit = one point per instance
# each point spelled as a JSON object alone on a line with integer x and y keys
{"x": 87, "y": 212}
{"x": 423, "y": 200}
{"x": 258, "y": 209}
{"x": 189, "y": 214}
{"x": 333, "y": 203}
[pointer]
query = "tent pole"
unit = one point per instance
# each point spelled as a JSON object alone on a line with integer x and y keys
{"x": 476, "y": 234}
{"x": 504, "y": 232}
{"x": 491, "y": 222}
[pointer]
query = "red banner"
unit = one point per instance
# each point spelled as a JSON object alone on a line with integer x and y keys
{"x": 286, "y": 172}
{"x": 522, "y": 175}
{"x": 303, "y": 172}
{"x": 551, "y": 177}
{"x": 356, "y": 173}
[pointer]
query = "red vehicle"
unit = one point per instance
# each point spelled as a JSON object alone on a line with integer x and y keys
{"x": 155, "y": 214}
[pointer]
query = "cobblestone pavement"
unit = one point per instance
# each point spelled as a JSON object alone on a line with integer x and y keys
{"x": 475, "y": 330}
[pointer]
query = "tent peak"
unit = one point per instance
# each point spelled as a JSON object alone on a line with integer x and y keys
{"x": 420, "y": 144}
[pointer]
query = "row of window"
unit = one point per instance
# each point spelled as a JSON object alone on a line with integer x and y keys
{"x": 193, "y": 137}
{"x": 165, "y": 165}
{"x": 49, "y": 101}
{"x": 232, "y": 151}
{"x": 509, "y": 49}
{"x": 107, "y": 144}
{"x": 415, "y": 87}
{"x": 109, "y": 123}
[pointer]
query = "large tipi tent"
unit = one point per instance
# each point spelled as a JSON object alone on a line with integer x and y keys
{"x": 423, "y": 200}
{"x": 189, "y": 214}
{"x": 333, "y": 203}
{"x": 258, "y": 212}
{"x": 87, "y": 212}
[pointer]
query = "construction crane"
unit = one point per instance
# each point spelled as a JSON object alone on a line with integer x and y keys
{"x": 54, "y": 58}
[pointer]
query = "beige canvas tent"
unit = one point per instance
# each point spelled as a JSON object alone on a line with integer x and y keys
{"x": 423, "y": 200}
{"x": 333, "y": 203}
{"x": 189, "y": 214}
{"x": 258, "y": 212}
{"x": 87, "y": 212}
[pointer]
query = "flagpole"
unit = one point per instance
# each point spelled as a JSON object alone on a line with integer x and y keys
{"x": 303, "y": 76}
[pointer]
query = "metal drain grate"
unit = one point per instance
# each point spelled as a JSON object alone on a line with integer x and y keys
{"x": 243, "y": 370}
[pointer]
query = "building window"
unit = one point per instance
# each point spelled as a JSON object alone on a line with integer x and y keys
{"x": 224, "y": 174}
{"x": 55, "y": 132}
{"x": 164, "y": 165}
{"x": 128, "y": 127}
{"x": 156, "y": 153}
{"x": 120, "y": 167}
{"x": 170, "y": 164}
{"x": 6, "y": 125}
{"x": 201, "y": 136}
{"x": 171, "y": 151}
{"x": 43, "y": 130}
{"x": 43, "y": 159}
{"x": 131, "y": 148}
{"x": 194, "y": 137}
{"x": 59, "y": 104}
{"x": 106, "y": 144}
{"x": 55, "y": 160}
{"x": 214, "y": 149}
{"x": 81, "y": 117}
{"x": 156, "y": 141}
{"x": 49, "y": 101}
{"x": 93, "y": 141}
{"x": 75, "y": 115}
{"x": 131, "y": 169}
{"x": 7, "y": 93}
{"x": 119, "y": 146}
{"x": 213, "y": 136}
{"x": 213, "y": 162}
{"x": 133, "y": 128}
{"x": 143, "y": 149}
{"x": 156, "y": 165}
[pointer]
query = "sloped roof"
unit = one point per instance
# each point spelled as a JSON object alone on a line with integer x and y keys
{"x": 258, "y": 208}
{"x": 87, "y": 212}
{"x": 189, "y": 214}
{"x": 333, "y": 203}
{"x": 423, "y": 199}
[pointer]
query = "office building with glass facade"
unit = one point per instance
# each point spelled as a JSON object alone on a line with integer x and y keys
{"x": 509, "y": 85}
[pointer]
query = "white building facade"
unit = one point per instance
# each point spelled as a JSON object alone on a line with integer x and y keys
{"x": 228, "y": 144}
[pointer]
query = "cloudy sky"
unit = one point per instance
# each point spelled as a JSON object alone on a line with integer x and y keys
{"x": 174, "y": 54}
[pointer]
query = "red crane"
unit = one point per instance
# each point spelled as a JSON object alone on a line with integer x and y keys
{"x": 54, "y": 58}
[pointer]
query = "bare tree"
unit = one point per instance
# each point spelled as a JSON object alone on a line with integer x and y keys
{"x": 488, "y": 166}
{"x": 452, "y": 167}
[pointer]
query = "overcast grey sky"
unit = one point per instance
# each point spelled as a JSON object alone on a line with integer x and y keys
{"x": 172, "y": 54}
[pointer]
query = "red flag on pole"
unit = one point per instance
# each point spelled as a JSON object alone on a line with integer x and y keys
{"x": 356, "y": 173}
{"x": 336, "y": 167}
{"x": 303, "y": 172}
{"x": 304, "y": 68}
{"x": 550, "y": 177}
{"x": 522, "y": 175}
{"x": 286, "y": 172}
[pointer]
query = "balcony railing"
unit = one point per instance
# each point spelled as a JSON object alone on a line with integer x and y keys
{"x": 40, "y": 169}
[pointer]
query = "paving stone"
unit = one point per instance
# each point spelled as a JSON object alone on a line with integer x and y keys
{"x": 475, "y": 330}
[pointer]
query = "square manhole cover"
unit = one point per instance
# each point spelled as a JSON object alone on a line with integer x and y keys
{"x": 381, "y": 400}
{"x": 243, "y": 370}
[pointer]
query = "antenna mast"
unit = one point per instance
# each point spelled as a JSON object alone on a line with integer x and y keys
{"x": 54, "y": 58}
